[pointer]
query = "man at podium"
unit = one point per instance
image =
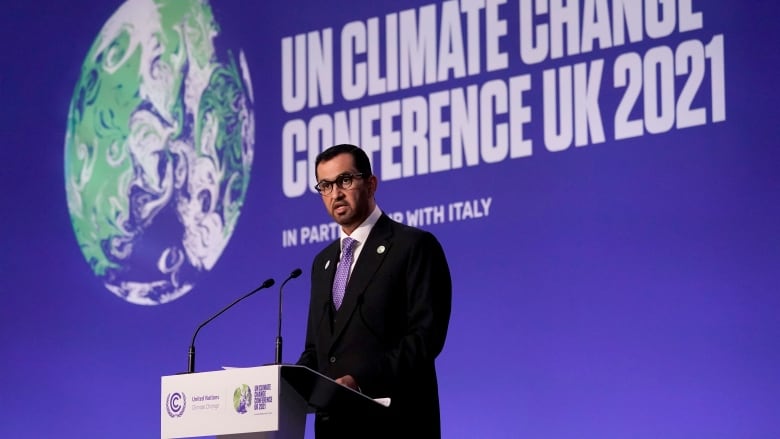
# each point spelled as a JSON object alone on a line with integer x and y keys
{"x": 379, "y": 307}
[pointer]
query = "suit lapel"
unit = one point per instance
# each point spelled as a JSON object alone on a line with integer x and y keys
{"x": 372, "y": 255}
{"x": 327, "y": 271}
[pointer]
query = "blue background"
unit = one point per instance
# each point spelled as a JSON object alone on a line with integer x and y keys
{"x": 622, "y": 289}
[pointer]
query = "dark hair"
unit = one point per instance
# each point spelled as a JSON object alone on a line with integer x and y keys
{"x": 362, "y": 163}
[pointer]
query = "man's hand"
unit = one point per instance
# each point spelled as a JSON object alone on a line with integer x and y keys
{"x": 348, "y": 381}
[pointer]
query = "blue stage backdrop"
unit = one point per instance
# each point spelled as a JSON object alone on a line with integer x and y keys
{"x": 602, "y": 174}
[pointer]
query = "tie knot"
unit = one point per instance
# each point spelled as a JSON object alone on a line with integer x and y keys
{"x": 347, "y": 244}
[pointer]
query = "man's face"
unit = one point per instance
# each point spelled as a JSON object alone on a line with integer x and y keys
{"x": 348, "y": 207}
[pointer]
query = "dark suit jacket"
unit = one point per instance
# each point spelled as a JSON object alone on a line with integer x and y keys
{"x": 391, "y": 326}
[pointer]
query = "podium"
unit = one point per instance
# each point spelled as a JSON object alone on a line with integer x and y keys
{"x": 261, "y": 402}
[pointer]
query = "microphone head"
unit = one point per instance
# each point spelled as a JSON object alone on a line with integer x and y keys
{"x": 267, "y": 283}
{"x": 297, "y": 272}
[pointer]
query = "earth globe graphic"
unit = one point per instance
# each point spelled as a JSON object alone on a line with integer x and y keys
{"x": 158, "y": 149}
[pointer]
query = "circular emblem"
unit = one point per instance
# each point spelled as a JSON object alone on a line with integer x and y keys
{"x": 158, "y": 149}
{"x": 175, "y": 404}
{"x": 242, "y": 398}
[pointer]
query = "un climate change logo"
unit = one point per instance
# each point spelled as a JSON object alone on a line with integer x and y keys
{"x": 158, "y": 150}
{"x": 175, "y": 404}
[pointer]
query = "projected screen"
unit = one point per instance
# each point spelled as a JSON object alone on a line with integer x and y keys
{"x": 602, "y": 176}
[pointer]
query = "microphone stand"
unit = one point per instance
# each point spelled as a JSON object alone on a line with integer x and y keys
{"x": 191, "y": 353}
{"x": 297, "y": 272}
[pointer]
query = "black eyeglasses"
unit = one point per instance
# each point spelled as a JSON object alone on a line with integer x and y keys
{"x": 343, "y": 181}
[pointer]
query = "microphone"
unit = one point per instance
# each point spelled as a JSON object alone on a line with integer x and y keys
{"x": 191, "y": 353}
{"x": 295, "y": 273}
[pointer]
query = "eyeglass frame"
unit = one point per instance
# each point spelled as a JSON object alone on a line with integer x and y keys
{"x": 339, "y": 181}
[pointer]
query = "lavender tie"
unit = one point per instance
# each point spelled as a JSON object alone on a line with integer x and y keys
{"x": 342, "y": 272}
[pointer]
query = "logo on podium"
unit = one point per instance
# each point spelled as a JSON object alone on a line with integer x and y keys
{"x": 242, "y": 398}
{"x": 175, "y": 404}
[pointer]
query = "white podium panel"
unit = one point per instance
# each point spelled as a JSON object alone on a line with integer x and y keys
{"x": 247, "y": 403}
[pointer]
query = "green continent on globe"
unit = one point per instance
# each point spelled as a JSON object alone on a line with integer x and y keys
{"x": 158, "y": 149}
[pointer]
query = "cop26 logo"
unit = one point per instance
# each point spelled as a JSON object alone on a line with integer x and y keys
{"x": 242, "y": 398}
{"x": 158, "y": 149}
{"x": 175, "y": 404}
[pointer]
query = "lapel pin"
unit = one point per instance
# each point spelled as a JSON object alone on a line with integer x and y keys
{"x": 327, "y": 264}
{"x": 381, "y": 249}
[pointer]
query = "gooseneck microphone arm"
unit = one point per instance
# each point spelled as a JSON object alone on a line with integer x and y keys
{"x": 191, "y": 353}
{"x": 297, "y": 272}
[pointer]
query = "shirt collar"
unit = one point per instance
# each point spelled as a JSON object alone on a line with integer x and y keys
{"x": 361, "y": 233}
